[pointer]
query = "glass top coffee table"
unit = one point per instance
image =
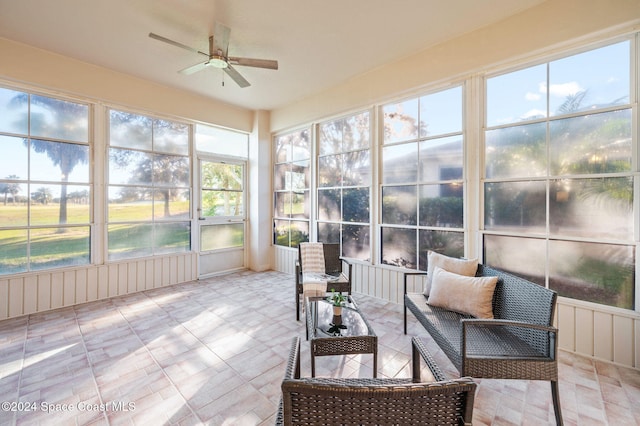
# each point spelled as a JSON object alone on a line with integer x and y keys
{"x": 349, "y": 333}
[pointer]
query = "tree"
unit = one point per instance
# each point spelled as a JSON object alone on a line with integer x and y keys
{"x": 42, "y": 195}
{"x": 10, "y": 188}
{"x": 59, "y": 115}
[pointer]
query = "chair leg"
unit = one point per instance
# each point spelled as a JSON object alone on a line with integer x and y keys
{"x": 555, "y": 393}
{"x": 405, "y": 318}
{"x": 297, "y": 304}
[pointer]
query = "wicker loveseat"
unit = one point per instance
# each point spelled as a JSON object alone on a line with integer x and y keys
{"x": 367, "y": 401}
{"x": 519, "y": 343}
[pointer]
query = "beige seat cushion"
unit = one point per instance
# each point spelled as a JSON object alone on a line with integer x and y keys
{"x": 466, "y": 295}
{"x": 466, "y": 267}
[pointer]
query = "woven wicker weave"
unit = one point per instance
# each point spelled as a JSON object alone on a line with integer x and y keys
{"x": 333, "y": 266}
{"x": 383, "y": 401}
{"x": 520, "y": 343}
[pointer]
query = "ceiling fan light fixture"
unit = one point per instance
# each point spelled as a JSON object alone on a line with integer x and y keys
{"x": 218, "y": 62}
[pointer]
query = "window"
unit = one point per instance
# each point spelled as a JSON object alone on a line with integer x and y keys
{"x": 291, "y": 188}
{"x": 45, "y": 183}
{"x": 422, "y": 179}
{"x": 559, "y": 177}
{"x": 148, "y": 186}
{"x": 344, "y": 184}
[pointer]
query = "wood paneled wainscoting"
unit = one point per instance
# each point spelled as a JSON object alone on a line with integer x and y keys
{"x": 597, "y": 331}
{"x": 42, "y": 291}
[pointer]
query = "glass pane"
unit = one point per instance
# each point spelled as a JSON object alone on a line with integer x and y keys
{"x": 169, "y": 136}
{"x": 299, "y": 232}
{"x": 356, "y": 168}
{"x": 169, "y": 170}
{"x": 355, "y": 205}
{"x": 14, "y": 205}
{"x": 281, "y": 233}
{"x": 129, "y": 204}
{"x": 14, "y": 112}
{"x": 441, "y": 113}
{"x": 58, "y": 119}
{"x": 444, "y": 242}
{"x": 173, "y": 204}
{"x": 518, "y": 206}
{"x": 330, "y": 138}
{"x": 600, "y": 273}
{"x": 592, "y": 207}
{"x": 593, "y": 79}
{"x": 300, "y": 204}
{"x": 282, "y": 176}
{"x": 172, "y": 237}
{"x": 401, "y": 121}
{"x": 330, "y": 170}
{"x": 355, "y": 242}
{"x": 58, "y": 247}
{"x": 400, "y": 163}
{"x": 13, "y": 256}
{"x": 517, "y": 96}
{"x": 221, "y": 176}
{"x": 55, "y": 161}
{"x": 283, "y": 149}
{"x": 399, "y": 247}
{"x": 299, "y": 178}
{"x": 59, "y": 204}
{"x": 519, "y": 151}
{"x": 520, "y": 256}
{"x": 282, "y": 205}
{"x": 129, "y": 167}
{"x": 329, "y": 204}
{"x": 129, "y": 130}
{"x": 216, "y": 140}
{"x": 14, "y": 159}
{"x": 300, "y": 146}
{"x": 329, "y": 232}
{"x": 356, "y": 132}
{"x": 222, "y": 203}
{"x": 399, "y": 205}
{"x": 216, "y": 237}
{"x": 441, "y": 154}
{"x": 597, "y": 143}
{"x": 128, "y": 241}
{"x": 441, "y": 205}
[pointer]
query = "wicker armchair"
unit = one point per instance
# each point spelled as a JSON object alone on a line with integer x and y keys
{"x": 333, "y": 266}
{"x": 355, "y": 401}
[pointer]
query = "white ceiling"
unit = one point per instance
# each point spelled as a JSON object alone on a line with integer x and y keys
{"x": 318, "y": 44}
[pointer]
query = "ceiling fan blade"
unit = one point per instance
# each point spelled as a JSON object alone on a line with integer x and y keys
{"x": 175, "y": 43}
{"x": 258, "y": 63}
{"x": 220, "y": 39}
{"x": 194, "y": 68}
{"x": 235, "y": 76}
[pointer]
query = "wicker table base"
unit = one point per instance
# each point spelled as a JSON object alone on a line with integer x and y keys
{"x": 348, "y": 334}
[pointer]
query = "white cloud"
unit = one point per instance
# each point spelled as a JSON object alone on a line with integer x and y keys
{"x": 565, "y": 89}
{"x": 529, "y": 96}
{"x": 534, "y": 113}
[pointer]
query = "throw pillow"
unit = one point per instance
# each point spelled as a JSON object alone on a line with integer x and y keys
{"x": 466, "y": 267}
{"x": 466, "y": 295}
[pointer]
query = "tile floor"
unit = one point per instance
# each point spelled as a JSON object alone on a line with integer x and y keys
{"x": 213, "y": 352}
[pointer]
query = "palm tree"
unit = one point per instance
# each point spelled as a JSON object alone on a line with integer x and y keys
{"x": 64, "y": 155}
{"x": 10, "y": 188}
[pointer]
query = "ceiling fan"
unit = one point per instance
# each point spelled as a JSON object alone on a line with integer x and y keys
{"x": 218, "y": 56}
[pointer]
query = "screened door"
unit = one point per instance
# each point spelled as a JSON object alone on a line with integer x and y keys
{"x": 222, "y": 216}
